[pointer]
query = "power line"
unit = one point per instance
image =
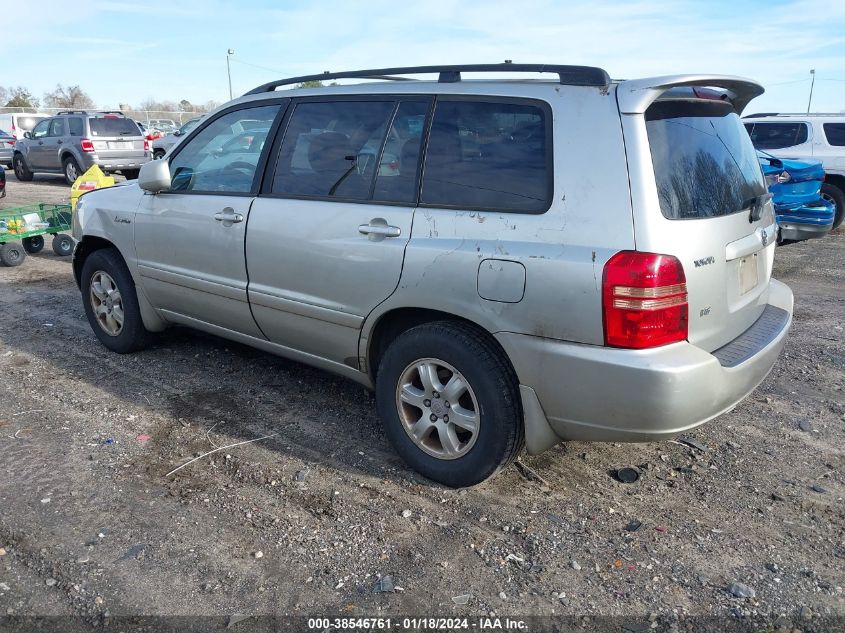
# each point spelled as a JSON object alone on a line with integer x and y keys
{"x": 272, "y": 70}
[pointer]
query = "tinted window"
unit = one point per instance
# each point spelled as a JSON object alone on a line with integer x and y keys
{"x": 40, "y": 130}
{"x": 331, "y": 148}
{"x": 75, "y": 125}
{"x": 397, "y": 173}
{"x": 26, "y": 123}
{"x": 57, "y": 127}
{"x": 778, "y": 135}
{"x": 113, "y": 126}
{"x": 835, "y": 133}
{"x": 704, "y": 164}
{"x": 222, "y": 157}
{"x": 487, "y": 155}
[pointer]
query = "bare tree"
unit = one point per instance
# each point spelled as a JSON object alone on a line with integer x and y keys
{"x": 70, "y": 97}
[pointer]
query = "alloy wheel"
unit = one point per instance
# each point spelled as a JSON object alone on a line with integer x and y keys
{"x": 107, "y": 303}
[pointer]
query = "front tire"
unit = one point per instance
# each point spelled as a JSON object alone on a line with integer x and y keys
{"x": 449, "y": 402}
{"x": 158, "y": 154}
{"x": 834, "y": 194}
{"x": 111, "y": 302}
{"x": 12, "y": 254}
{"x": 62, "y": 245}
{"x": 22, "y": 172}
{"x": 71, "y": 170}
{"x": 33, "y": 245}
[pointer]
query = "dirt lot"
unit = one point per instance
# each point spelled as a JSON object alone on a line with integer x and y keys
{"x": 305, "y": 522}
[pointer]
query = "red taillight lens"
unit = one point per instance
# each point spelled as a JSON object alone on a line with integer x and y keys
{"x": 87, "y": 145}
{"x": 644, "y": 300}
{"x": 146, "y": 145}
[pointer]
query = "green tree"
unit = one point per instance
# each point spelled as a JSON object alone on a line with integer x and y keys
{"x": 185, "y": 106}
{"x": 20, "y": 97}
{"x": 70, "y": 97}
{"x": 314, "y": 83}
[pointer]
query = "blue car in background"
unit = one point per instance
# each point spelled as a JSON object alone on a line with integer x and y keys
{"x": 801, "y": 212}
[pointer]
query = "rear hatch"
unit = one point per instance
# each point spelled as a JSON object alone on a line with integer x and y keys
{"x": 713, "y": 213}
{"x": 116, "y": 138}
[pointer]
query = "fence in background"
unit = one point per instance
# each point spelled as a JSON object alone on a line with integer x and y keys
{"x": 144, "y": 116}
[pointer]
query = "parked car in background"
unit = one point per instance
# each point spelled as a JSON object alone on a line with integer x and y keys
{"x": 800, "y": 211}
{"x": 2, "y": 182}
{"x": 806, "y": 137}
{"x": 162, "y": 144}
{"x": 164, "y": 125}
{"x": 17, "y": 123}
{"x": 493, "y": 287}
{"x": 7, "y": 148}
{"x": 72, "y": 141}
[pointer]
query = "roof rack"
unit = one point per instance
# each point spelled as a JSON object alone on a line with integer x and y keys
{"x": 569, "y": 75}
{"x": 90, "y": 112}
{"x": 762, "y": 114}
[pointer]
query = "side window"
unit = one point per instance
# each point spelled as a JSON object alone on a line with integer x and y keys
{"x": 75, "y": 125}
{"x": 489, "y": 155}
{"x": 57, "y": 127}
{"x": 396, "y": 180}
{"x": 223, "y": 157}
{"x": 835, "y": 133}
{"x": 331, "y": 148}
{"x": 778, "y": 135}
{"x": 40, "y": 130}
{"x": 749, "y": 127}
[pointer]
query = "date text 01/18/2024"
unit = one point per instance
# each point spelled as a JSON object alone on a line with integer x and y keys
{"x": 417, "y": 624}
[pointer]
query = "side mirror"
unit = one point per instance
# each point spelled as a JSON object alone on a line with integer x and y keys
{"x": 177, "y": 133}
{"x": 27, "y": 134}
{"x": 154, "y": 176}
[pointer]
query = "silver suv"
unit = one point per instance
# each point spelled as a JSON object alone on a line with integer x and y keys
{"x": 73, "y": 141}
{"x": 506, "y": 262}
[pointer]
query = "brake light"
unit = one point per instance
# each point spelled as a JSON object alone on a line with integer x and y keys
{"x": 644, "y": 300}
{"x": 87, "y": 145}
{"x": 146, "y": 145}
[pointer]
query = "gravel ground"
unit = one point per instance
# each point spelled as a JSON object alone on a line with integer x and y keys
{"x": 307, "y": 521}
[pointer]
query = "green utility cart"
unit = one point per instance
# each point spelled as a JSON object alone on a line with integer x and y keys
{"x": 22, "y": 231}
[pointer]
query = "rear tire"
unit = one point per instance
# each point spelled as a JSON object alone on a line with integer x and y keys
{"x": 62, "y": 245}
{"x": 834, "y": 194}
{"x": 22, "y": 172}
{"x": 12, "y": 254}
{"x": 71, "y": 170}
{"x": 130, "y": 174}
{"x": 450, "y": 452}
{"x": 158, "y": 154}
{"x": 33, "y": 245}
{"x": 104, "y": 276}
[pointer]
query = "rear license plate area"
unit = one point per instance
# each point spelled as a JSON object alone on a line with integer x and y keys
{"x": 120, "y": 144}
{"x": 747, "y": 273}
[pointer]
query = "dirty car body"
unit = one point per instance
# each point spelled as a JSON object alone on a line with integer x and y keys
{"x": 472, "y": 284}
{"x": 801, "y": 212}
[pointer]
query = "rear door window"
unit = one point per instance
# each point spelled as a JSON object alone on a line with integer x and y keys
{"x": 57, "y": 127}
{"x": 331, "y": 149}
{"x": 396, "y": 180}
{"x": 704, "y": 163}
{"x": 778, "y": 135}
{"x": 835, "y": 133}
{"x": 489, "y": 155}
{"x": 113, "y": 126}
{"x": 75, "y": 125}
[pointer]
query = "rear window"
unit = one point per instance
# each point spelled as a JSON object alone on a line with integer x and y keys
{"x": 778, "y": 135}
{"x": 835, "y": 133}
{"x": 488, "y": 155}
{"x": 5, "y": 134}
{"x": 26, "y": 123}
{"x": 704, "y": 164}
{"x": 117, "y": 126}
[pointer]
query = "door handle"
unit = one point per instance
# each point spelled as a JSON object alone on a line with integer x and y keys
{"x": 228, "y": 217}
{"x": 58, "y": 142}
{"x": 378, "y": 228}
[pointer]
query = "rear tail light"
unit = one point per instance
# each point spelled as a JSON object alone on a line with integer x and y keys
{"x": 644, "y": 300}
{"x": 146, "y": 145}
{"x": 87, "y": 145}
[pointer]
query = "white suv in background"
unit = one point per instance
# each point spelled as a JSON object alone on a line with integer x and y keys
{"x": 811, "y": 137}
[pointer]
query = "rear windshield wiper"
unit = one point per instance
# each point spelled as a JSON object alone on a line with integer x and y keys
{"x": 755, "y": 206}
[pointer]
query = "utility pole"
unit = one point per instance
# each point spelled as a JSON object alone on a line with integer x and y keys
{"x": 812, "y": 83}
{"x": 230, "y": 52}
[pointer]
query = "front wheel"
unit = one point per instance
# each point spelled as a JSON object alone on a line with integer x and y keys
{"x": 450, "y": 404}
{"x": 62, "y": 245}
{"x": 33, "y": 245}
{"x": 111, "y": 303}
{"x": 22, "y": 172}
{"x": 130, "y": 174}
{"x": 833, "y": 194}
{"x": 158, "y": 154}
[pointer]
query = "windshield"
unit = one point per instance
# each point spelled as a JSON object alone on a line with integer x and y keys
{"x": 113, "y": 126}
{"x": 704, "y": 163}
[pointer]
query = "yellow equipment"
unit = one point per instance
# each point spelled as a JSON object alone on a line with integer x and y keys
{"x": 92, "y": 179}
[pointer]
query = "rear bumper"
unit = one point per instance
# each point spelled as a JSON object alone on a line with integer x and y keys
{"x": 588, "y": 392}
{"x": 117, "y": 163}
{"x": 807, "y": 221}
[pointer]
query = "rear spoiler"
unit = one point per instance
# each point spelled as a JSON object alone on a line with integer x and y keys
{"x": 634, "y": 96}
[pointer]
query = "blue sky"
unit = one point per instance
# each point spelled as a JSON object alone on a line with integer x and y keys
{"x": 130, "y": 51}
